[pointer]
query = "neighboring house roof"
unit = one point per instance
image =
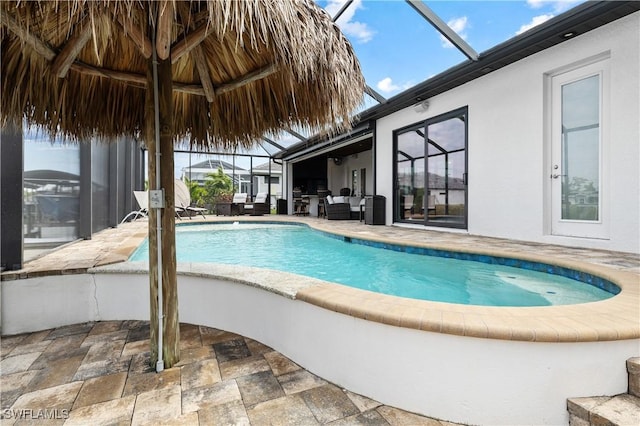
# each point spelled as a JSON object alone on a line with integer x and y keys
{"x": 579, "y": 20}
{"x": 49, "y": 175}
{"x": 277, "y": 168}
{"x": 213, "y": 164}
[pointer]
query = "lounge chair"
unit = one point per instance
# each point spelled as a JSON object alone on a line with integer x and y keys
{"x": 259, "y": 206}
{"x": 142, "y": 198}
{"x": 407, "y": 204}
{"x": 183, "y": 201}
{"x": 238, "y": 202}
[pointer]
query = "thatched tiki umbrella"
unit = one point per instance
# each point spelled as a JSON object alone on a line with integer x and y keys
{"x": 227, "y": 73}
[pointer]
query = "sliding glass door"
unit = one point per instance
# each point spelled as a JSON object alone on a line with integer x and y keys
{"x": 431, "y": 171}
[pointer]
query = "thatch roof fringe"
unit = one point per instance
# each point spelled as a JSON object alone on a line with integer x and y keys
{"x": 241, "y": 69}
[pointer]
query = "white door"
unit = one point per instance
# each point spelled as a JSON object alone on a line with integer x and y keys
{"x": 578, "y": 181}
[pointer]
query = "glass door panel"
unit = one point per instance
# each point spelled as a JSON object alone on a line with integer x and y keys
{"x": 410, "y": 176}
{"x": 446, "y": 140}
{"x": 580, "y": 180}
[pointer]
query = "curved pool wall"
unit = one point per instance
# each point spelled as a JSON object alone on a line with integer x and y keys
{"x": 468, "y": 364}
{"x": 524, "y": 377}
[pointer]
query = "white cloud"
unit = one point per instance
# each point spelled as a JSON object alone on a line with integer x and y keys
{"x": 558, "y": 6}
{"x": 359, "y": 30}
{"x": 386, "y": 85}
{"x": 537, "y": 20}
{"x": 459, "y": 25}
{"x": 536, "y": 4}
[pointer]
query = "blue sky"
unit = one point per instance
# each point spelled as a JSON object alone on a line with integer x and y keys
{"x": 398, "y": 49}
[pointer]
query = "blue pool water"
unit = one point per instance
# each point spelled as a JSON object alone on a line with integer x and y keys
{"x": 303, "y": 251}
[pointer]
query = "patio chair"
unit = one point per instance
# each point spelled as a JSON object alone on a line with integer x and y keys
{"x": 322, "y": 202}
{"x": 183, "y": 201}
{"x": 142, "y": 198}
{"x": 431, "y": 204}
{"x": 300, "y": 203}
{"x": 407, "y": 204}
{"x": 259, "y": 206}
{"x": 238, "y": 202}
{"x": 337, "y": 208}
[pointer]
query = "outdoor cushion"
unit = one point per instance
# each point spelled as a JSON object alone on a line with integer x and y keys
{"x": 239, "y": 198}
{"x": 338, "y": 199}
{"x": 261, "y": 197}
{"x": 355, "y": 203}
{"x": 330, "y": 199}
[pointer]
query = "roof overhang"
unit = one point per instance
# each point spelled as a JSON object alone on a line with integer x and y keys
{"x": 303, "y": 150}
{"x": 575, "y": 22}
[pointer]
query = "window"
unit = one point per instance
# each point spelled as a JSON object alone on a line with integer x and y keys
{"x": 354, "y": 181}
{"x": 51, "y": 190}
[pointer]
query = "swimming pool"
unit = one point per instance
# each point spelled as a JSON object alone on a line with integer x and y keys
{"x": 400, "y": 271}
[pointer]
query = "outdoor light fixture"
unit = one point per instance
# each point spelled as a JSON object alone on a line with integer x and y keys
{"x": 421, "y": 106}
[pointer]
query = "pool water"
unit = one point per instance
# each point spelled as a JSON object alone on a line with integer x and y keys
{"x": 303, "y": 251}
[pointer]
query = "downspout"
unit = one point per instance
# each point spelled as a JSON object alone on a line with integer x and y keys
{"x": 156, "y": 118}
{"x": 283, "y": 182}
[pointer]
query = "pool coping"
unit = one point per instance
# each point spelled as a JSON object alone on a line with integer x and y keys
{"x": 616, "y": 318}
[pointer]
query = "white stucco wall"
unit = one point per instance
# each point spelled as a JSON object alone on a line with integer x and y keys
{"x": 509, "y": 148}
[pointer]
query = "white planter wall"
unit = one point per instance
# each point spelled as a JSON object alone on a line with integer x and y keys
{"x": 461, "y": 379}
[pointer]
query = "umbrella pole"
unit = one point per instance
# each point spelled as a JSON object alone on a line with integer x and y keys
{"x": 171, "y": 342}
{"x": 164, "y": 340}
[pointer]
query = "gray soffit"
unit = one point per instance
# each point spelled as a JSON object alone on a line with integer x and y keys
{"x": 295, "y": 151}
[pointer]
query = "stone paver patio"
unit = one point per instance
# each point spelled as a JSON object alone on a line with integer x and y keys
{"x": 99, "y": 374}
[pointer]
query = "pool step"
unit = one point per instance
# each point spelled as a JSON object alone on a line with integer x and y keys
{"x": 623, "y": 409}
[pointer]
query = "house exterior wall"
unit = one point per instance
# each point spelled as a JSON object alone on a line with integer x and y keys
{"x": 509, "y": 159}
